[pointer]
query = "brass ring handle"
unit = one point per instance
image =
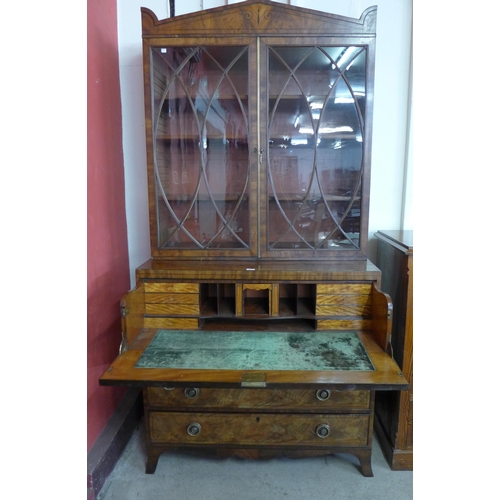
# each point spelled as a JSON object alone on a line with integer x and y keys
{"x": 323, "y": 394}
{"x": 193, "y": 429}
{"x": 323, "y": 431}
{"x": 191, "y": 392}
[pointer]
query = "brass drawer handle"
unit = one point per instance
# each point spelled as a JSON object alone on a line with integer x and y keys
{"x": 191, "y": 392}
{"x": 323, "y": 430}
{"x": 193, "y": 429}
{"x": 323, "y": 394}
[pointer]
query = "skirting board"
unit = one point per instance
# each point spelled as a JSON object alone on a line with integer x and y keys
{"x": 110, "y": 444}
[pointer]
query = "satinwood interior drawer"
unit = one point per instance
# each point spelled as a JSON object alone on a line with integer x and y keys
{"x": 171, "y": 299}
{"x": 299, "y": 400}
{"x": 343, "y": 299}
{"x": 166, "y": 287}
{"x": 170, "y": 305}
{"x": 244, "y": 429}
{"x": 172, "y": 323}
{"x": 174, "y": 309}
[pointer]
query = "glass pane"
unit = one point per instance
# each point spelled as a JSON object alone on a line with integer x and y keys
{"x": 200, "y": 129}
{"x": 316, "y": 118}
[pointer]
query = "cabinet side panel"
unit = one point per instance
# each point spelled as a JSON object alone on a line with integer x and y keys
{"x": 132, "y": 311}
{"x": 382, "y": 310}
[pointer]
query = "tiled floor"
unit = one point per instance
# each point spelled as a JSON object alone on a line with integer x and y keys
{"x": 180, "y": 476}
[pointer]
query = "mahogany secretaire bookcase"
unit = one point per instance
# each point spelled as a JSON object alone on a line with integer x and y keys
{"x": 258, "y": 327}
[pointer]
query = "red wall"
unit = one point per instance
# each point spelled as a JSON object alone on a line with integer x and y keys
{"x": 107, "y": 252}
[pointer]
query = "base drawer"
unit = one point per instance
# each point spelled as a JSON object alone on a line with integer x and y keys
{"x": 300, "y": 400}
{"x": 318, "y": 430}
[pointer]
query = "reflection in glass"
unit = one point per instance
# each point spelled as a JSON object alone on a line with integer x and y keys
{"x": 200, "y": 133}
{"x": 316, "y": 127}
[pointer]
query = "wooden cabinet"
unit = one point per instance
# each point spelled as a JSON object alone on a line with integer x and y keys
{"x": 289, "y": 369}
{"x": 394, "y": 410}
{"x": 258, "y": 327}
{"x": 258, "y": 122}
{"x": 260, "y": 422}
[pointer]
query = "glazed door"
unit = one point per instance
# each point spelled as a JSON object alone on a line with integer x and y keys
{"x": 202, "y": 173}
{"x": 315, "y": 187}
{"x": 259, "y": 148}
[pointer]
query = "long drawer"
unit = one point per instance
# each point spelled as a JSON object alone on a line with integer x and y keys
{"x": 251, "y": 429}
{"x": 298, "y": 400}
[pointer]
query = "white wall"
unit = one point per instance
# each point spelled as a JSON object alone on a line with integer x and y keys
{"x": 391, "y": 179}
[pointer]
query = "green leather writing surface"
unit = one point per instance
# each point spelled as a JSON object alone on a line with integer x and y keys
{"x": 219, "y": 350}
